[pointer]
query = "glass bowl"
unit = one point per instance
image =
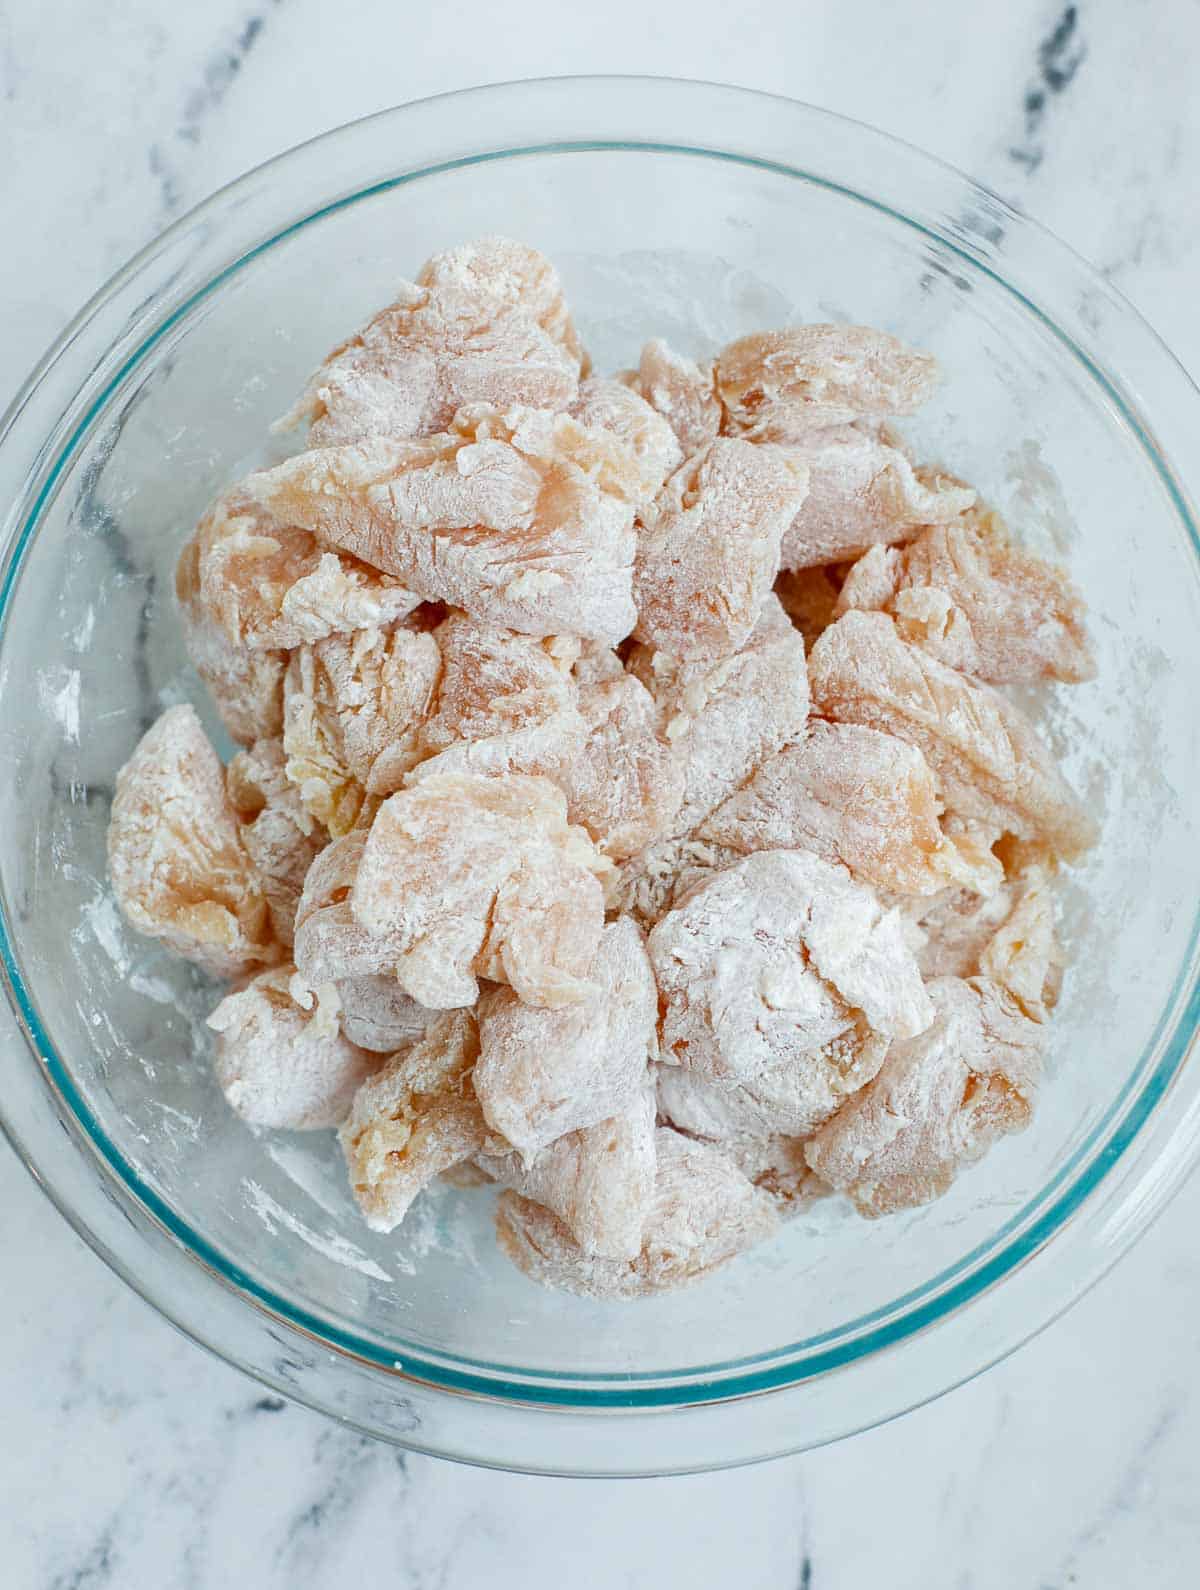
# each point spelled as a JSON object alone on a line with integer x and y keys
{"x": 699, "y": 213}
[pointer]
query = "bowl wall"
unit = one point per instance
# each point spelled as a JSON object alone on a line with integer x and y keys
{"x": 698, "y": 245}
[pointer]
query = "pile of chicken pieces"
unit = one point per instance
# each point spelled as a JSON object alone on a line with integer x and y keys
{"x": 629, "y": 812}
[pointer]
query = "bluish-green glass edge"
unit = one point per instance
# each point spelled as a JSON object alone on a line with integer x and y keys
{"x": 519, "y": 1385}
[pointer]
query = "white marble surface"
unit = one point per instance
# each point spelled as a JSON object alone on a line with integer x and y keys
{"x": 128, "y": 1458}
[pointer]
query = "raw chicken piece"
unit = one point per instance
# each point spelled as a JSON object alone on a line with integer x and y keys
{"x": 482, "y": 877}
{"x": 246, "y": 686}
{"x": 939, "y": 1102}
{"x": 378, "y": 1015}
{"x": 1023, "y": 955}
{"x": 353, "y": 706}
{"x": 853, "y": 795}
{"x": 821, "y": 375}
{"x": 809, "y": 598}
{"x": 280, "y": 1060}
{"x": 609, "y": 405}
{"x": 523, "y": 518}
{"x": 465, "y": 1175}
{"x": 596, "y": 664}
{"x": 862, "y": 491}
{"x": 1009, "y": 938}
{"x": 279, "y": 834}
{"x": 704, "y": 1212}
{"x": 625, "y": 782}
{"x": 414, "y": 1119}
{"x": 649, "y": 884}
{"x": 793, "y": 1095}
{"x": 870, "y": 583}
{"x": 955, "y": 927}
{"x": 179, "y": 869}
{"x": 514, "y": 275}
{"x": 708, "y": 548}
{"x": 769, "y": 960}
{"x": 599, "y": 1180}
{"x": 989, "y": 763}
{"x": 543, "y": 1073}
{"x": 330, "y": 946}
{"x": 682, "y": 391}
{"x": 485, "y": 322}
{"x": 728, "y": 717}
{"x": 777, "y": 1166}
{"x": 270, "y": 586}
{"x": 967, "y": 596}
{"x": 505, "y": 703}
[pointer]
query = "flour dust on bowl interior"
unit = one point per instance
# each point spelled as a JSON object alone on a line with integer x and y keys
{"x": 699, "y": 214}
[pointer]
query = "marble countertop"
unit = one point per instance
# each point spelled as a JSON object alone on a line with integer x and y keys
{"x": 131, "y": 1459}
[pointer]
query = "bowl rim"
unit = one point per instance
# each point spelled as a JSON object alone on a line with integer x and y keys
{"x": 1021, "y": 1237}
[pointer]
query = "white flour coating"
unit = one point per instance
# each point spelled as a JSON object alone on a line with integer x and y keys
{"x": 682, "y": 391}
{"x": 542, "y": 1073}
{"x": 59, "y": 691}
{"x": 624, "y": 783}
{"x": 482, "y": 877}
{"x": 991, "y": 764}
{"x": 599, "y": 1180}
{"x": 485, "y": 322}
{"x": 612, "y": 406}
{"x": 967, "y": 595}
{"x": 155, "y": 988}
{"x": 503, "y": 703}
{"x": 728, "y": 717}
{"x": 862, "y": 492}
{"x": 708, "y": 547}
{"x": 518, "y": 516}
{"x": 179, "y": 869}
{"x": 280, "y": 1058}
{"x": 352, "y": 709}
{"x": 416, "y": 1118}
{"x": 791, "y": 1096}
{"x": 771, "y": 959}
{"x": 439, "y": 1223}
{"x": 100, "y": 919}
{"x": 419, "y": 1233}
{"x": 273, "y": 1215}
{"x": 815, "y": 375}
{"x": 267, "y": 585}
{"x": 649, "y": 884}
{"x": 854, "y": 795}
{"x": 938, "y": 1102}
{"x": 313, "y": 1174}
{"x": 81, "y": 635}
{"x": 704, "y": 1212}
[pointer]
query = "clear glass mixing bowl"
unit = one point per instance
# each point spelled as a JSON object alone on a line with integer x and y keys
{"x": 699, "y": 213}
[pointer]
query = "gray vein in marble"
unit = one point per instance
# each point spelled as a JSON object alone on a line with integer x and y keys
{"x": 219, "y": 73}
{"x": 961, "y": 1486}
{"x": 1128, "y": 1494}
{"x": 344, "y": 1462}
{"x": 804, "y": 1572}
{"x": 1059, "y": 56}
{"x": 141, "y": 655}
{"x": 95, "y": 1569}
{"x": 169, "y": 194}
{"x": 1152, "y": 235}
